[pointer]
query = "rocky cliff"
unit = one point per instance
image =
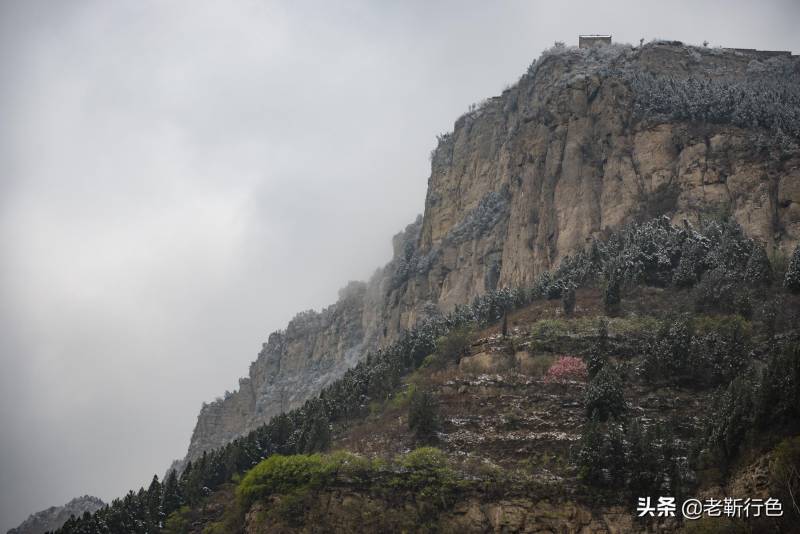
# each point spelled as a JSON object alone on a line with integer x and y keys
{"x": 586, "y": 141}
{"x": 52, "y": 518}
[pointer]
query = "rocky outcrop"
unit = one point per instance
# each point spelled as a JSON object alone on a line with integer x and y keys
{"x": 577, "y": 147}
{"x": 351, "y": 511}
{"x": 55, "y": 516}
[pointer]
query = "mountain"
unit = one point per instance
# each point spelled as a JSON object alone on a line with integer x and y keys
{"x": 52, "y": 518}
{"x": 594, "y": 322}
{"x": 587, "y": 140}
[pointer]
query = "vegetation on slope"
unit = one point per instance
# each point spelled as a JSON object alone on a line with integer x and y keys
{"x": 715, "y": 269}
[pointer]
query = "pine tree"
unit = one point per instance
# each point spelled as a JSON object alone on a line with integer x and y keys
{"x": 171, "y": 496}
{"x": 423, "y": 416}
{"x": 597, "y": 360}
{"x": 643, "y": 462}
{"x": 604, "y": 397}
{"x": 154, "y": 502}
{"x": 591, "y": 454}
{"x": 568, "y": 301}
{"x": 758, "y": 271}
{"x": 792, "y": 279}
{"x": 611, "y": 296}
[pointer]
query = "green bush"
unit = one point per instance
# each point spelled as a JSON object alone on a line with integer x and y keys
{"x": 455, "y": 345}
{"x": 284, "y": 474}
{"x": 426, "y": 472}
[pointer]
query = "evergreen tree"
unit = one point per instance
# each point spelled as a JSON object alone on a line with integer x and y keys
{"x": 154, "y": 502}
{"x": 423, "y": 416}
{"x": 591, "y": 454}
{"x": 604, "y": 397}
{"x": 758, "y": 271}
{"x": 791, "y": 280}
{"x": 171, "y": 496}
{"x": 597, "y": 360}
{"x": 643, "y": 462}
{"x": 602, "y": 335}
{"x": 611, "y": 296}
{"x": 568, "y": 301}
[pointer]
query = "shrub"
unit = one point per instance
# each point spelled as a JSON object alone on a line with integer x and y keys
{"x": 427, "y": 474}
{"x": 604, "y": 398}
{"x": 566, "y": 369}
{"x": 284, "y": 474}
{"x": 453, "y": 346}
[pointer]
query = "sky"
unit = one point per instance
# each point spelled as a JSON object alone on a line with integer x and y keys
{"x": 179, "y": 178}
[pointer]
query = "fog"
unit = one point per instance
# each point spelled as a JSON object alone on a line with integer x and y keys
{"x": 178, "y": 179}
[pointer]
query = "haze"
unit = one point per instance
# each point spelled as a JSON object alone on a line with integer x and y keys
{"x": 178, "y": 179}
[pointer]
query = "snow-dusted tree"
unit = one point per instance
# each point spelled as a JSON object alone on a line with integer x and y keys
{"x": 792, "y": 279}
{"x": 423, "y": 416}
{"x": 171, "y": 495}
{"x": 758, "y": 271}
{"x": 604, "y": 397}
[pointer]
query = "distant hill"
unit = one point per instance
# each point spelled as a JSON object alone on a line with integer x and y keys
{"x": 55, "y": 516}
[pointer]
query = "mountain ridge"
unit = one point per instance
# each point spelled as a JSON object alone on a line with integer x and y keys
{"x": 573, "y": 150}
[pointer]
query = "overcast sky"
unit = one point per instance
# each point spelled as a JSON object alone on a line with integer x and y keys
{"x": 178, "y": 179}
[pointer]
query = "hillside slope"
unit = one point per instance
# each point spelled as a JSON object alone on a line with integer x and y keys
{"x": 52, "y": 518}
{"x": 586, "y": 141}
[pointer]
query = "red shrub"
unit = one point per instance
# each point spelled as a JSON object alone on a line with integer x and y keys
{"x": 566, "y": 369}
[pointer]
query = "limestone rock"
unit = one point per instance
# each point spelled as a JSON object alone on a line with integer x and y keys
{"x": 524, "y": 180}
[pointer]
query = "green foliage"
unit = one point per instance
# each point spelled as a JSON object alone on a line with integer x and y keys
{"x": 426, "y": 473}
{"x": 755, "y": 402}
{"x": 591, "y": 454}
{"x": 604, "y": 398}
{"x": 455, "y": 345}
{"x": 733, "y": 415}
{"x": 702, "y": 352}
{"x": 651, "y": 253}
{"x": 423, "y": 416}
{"x": 280, "y": 474}
{"x": 177, "y": 522}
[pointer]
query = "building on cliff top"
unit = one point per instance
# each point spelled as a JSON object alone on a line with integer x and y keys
{"x": 588, "y": 41}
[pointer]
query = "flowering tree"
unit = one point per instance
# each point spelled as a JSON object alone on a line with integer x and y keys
{"x": 566, "y": 369}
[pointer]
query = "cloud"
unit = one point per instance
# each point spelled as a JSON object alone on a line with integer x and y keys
{"x": 177, "y": 179}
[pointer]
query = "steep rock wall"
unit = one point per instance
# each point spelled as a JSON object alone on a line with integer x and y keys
{"x": 527, "y": 178}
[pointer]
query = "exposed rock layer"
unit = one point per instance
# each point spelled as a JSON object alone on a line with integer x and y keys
{"x": 524, "y": 180}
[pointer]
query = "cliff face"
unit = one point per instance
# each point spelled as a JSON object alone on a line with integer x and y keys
{"x": 55, "y": 516}
{"x": 586, "y": 141}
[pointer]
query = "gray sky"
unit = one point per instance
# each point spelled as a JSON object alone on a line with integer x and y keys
{"x": 178, "y": 179}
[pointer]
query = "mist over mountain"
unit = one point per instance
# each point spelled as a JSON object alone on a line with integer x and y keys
{"x": 180, "y": 180}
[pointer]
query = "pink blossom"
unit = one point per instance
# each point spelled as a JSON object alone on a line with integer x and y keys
{"x": 566, "y": 369}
